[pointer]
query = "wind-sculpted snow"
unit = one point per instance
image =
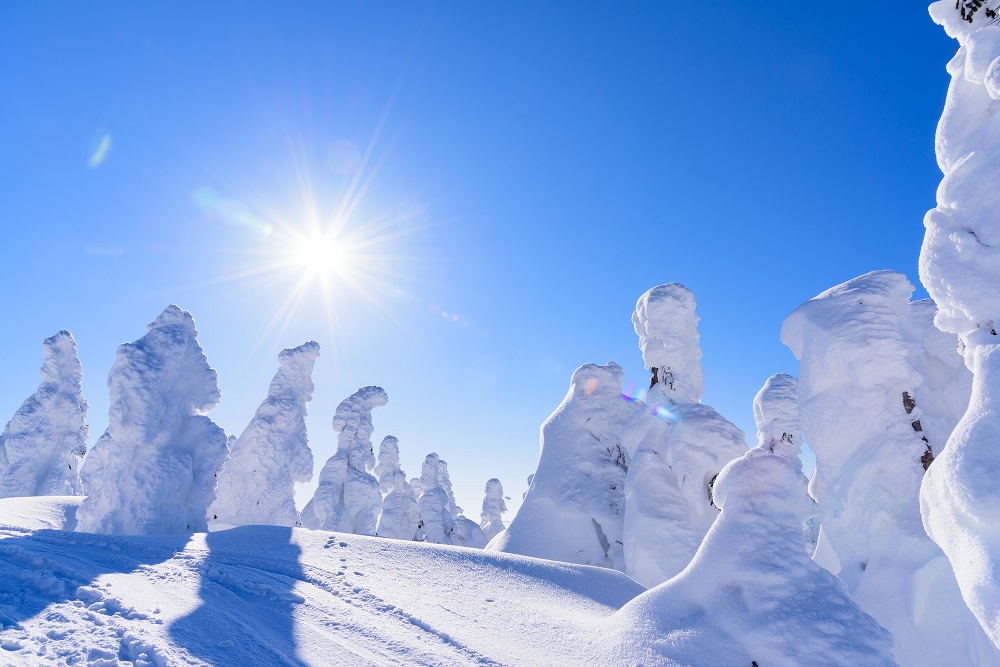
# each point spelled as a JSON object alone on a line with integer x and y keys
{"x": 879, "y": 390}
{"x": 154, "y": 470}
{"x": 752, "y": 595}
{"x": 348, "y": 498}
{"x": 677, "y": 446}
{"x": 257, "y": 482}
{"x": 491, "y": 518}
{"x": 575, "y": 505}
{"x": 41, "y": 446}
{"x": 667, "y": 326}
{"x": 776, "y": 412}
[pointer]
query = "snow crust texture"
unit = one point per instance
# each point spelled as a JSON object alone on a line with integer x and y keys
{"x": 574, "y": 508}
{"x": 348, "y": 498}
{"x": 154, "y": 470}
{"x": 880, "y": 389}
{"x": 256, "y": 485}
{"x": 42, "y": 444}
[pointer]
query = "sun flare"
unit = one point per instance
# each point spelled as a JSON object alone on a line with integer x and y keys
{"x": 320, "y": 256}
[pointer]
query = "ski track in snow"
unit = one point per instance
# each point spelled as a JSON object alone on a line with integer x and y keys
{"x": 281, "y": 596}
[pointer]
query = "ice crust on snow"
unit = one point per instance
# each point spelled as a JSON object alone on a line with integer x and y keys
{"x": 154, "y": 469}
{"x": 574, "y": 508}
{"x": 491, "y": 518}
{"x": 256, "y": 485}
{"x": 880, "y": 389}
{"x": 676, "y": 445}
{"x": 42, "y": 444}
{"x": 667, "y": 326}
{"x": 348, "y": 499}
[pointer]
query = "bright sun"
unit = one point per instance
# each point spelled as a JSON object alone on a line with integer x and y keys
{"x": 320, "y": 256}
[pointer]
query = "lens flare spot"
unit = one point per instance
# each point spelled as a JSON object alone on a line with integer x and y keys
{"x": 590, "y": 387}
{"x": 231, "y": 211}
{"x": 100, "y": 153}
{"x": 663, "y": 412}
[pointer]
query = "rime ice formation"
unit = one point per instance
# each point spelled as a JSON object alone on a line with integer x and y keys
{"x": 752, "y": 595}
{"x": 467, "y": 532}
{"x": 574, "y": 508}
{"x": 347, "y": 499}
{"x": 879, "y": 390}
{"x": 676, "y": 444}
{"x": 960, "y": 267}
{"x": 257, "y": 482}
{"x": 776, "y": 413}
{"x": 154, "y": 469}
{"x": 41, "y": 446}
{"x": 400, "y": 517}
{"x": 437, "y": 523}
{"x": 493, "y": 508}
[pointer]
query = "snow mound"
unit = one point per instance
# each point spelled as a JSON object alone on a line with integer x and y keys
{"x": 667, "y": 325}
{"x": 41, "y": 446}
{"x": 257, "y": 482}
{"x": 574, "y": 508}
{"x": 348, "y": 497}
{"x": 154, "y": 470}
{"x": 752, "y": 595}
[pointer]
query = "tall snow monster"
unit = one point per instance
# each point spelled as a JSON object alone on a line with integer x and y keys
{"x": 960, "y": 267}
{"x": 42, "y": 444}
{"x": 676, "y": 444}
{"x": 348, "y": 499}
{"x": 257, "y": 481}
{"x": 154, "y": 469}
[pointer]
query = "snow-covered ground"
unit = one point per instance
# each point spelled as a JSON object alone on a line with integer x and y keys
{"x": 271, "y": 595}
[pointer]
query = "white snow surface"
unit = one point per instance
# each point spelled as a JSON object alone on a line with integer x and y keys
{"x": 257, "y": 482}
{"x": 873, "y": 369}
{"x": 154, "y": 470}
{"x": 42, "y": 444}
{"x": 751, "y": 594}
{"x": 574, "y": 508}
{"x": 269, "y": 595}
{"x": 667, "y": 325}
{"x": 348, "y": 497}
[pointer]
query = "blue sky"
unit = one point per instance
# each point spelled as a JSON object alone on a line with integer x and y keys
{"x": 529, "y": 169}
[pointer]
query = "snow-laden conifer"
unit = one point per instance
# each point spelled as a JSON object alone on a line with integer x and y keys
{"x": 575, "y": 505}
{"x": 751, "y": 594}
{"x": 437, "y": 523}
{"x": 960, "y": 267}
{"x": 257, "y": 482}
{"x": 347, "y": 499}
{"x": 491, "y": 518}
{"x": 154, "y": 470}
{"x": 676, "y": 444}
{"x": 400, "y": 517}
{"x": 41, "y": 446}
{"x": 879, "y": 391}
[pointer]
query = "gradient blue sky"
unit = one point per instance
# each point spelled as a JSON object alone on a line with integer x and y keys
{"x": 531, "y": 168}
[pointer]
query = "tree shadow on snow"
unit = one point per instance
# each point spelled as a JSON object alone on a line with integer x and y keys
{"x": 247, "y": 599}
{"x": 43, "y": 567}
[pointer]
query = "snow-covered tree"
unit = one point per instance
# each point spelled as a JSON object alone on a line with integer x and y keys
{"x": 752, "y": 595}
{"x": 400, "y": 517}
{"x": 257, "y": 482}
{"x": 154, "y": 470}
{"x": 41, "y": 446}
{"x": 437, "y": 523}
{"x": 574, "y": 508}
{"x": 776, "y": 413}
{"x": 347, "y": 499}
{"x": 676, "y": 444}
{"x": 467, "y": 532}
{"x": 960, "y": 267}
{"x": 879, "y": 391}
{"x": 491, "y": 519}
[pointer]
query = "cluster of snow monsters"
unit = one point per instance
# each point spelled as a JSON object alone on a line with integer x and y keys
{"x": 163, "y": 466}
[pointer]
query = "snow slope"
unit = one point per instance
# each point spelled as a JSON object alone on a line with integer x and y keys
{"x": 268, "y": 595}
